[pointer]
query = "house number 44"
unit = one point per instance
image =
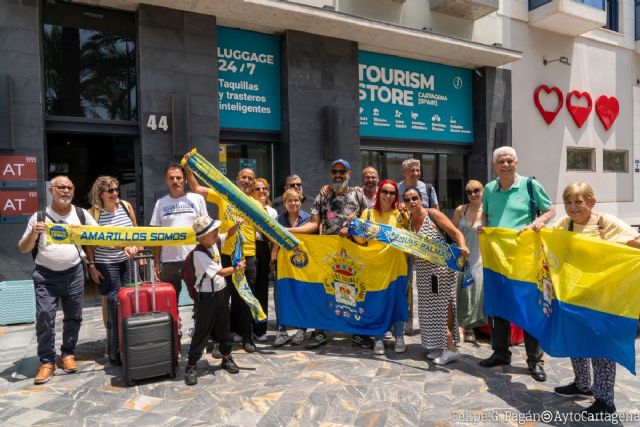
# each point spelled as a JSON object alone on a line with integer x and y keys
{"x": 157, "y": 122}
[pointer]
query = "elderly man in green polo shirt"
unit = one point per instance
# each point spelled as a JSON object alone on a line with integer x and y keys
{"x": 506, "y": 203}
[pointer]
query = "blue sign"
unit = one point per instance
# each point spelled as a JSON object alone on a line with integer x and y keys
{"x": 408, "y": 99}
{"x": 248, "y": 80}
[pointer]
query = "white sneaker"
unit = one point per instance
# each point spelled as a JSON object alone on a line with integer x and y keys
{"x": 298, "y": 337}
{"x": 261, "y": 338}
{"x": 237, "y": 338}
{"x": 378, "y": 346}
{"x": 400, "y": 346}
{"x": 434, "y": 353}
{"x": 281, "y": 339}
{"x": 447, "y": 357}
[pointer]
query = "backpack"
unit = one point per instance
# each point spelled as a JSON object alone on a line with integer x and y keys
{"x": 41, "y": 216}
{"x": 125, "y": 205}
{"x": 533, "y": 205}
{"x": 189, "y": 270}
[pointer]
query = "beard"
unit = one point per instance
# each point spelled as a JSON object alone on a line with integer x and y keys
{"x": 340, "y": 187}
{"x": 245, "y": 187}
{"x": 371, "y": 188}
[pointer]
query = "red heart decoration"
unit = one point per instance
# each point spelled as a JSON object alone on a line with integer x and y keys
{"x": 548, "y": 116}
{"x": 579, "y": 113}
{"x": 607, "y": 110}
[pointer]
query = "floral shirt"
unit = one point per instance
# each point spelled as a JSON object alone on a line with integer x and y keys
{"x": 336, "y": 211}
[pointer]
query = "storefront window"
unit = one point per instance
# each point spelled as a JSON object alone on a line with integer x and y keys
{"x": 89, "y": 62}
{"x": 580, "y": 159}
{"x": 450, "y": 184}
{"x": 615, "y": 161}
{"x": 253, "y": 155}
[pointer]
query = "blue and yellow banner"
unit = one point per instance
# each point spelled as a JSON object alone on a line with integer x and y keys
{"x": 92, "y": 235}
{"x": 433, "y": 251}
{"x": 331, "y": 283}
{"x": 241, "y": 284}
{"x": 213, "y": 178}
{"x": 578, "y": 296}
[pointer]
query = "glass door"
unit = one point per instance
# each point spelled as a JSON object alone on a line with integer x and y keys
{"x": 237, "y": 155}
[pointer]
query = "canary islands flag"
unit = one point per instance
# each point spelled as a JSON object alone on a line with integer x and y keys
{"x": 331, "y": 283}
{"x": 579, "y": 296}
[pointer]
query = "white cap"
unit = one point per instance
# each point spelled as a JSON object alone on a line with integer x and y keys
{"x": 204, "y": 224}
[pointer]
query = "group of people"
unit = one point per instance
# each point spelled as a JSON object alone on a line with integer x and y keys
{"x": 447, "y": 310}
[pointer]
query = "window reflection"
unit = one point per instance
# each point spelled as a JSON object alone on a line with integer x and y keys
{"x": 89, "y": 62}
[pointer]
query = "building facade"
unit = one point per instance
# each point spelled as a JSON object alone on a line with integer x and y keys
{"x": 118, "y": 87}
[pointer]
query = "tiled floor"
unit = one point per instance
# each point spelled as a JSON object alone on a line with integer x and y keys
{"x": 289, "y": 386}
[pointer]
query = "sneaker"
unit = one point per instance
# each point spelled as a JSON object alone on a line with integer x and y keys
{"x": 572, "y": 390}
{"x": 447, "y": 357}
{"x": 600, "y": 408}
{"x": 191, "y": 375}
{"x": 215, "y": 351}
{"x": 281, "y": 339}
{"x": 387, "y": 335}
{"x": 237, "y": 338}
{"x": 317, "y": 339}
{"x": 45, "y": 372}
{"x": 362, "y": 340}
{"x": 261, "y": 338}
{"x": 68, "y": 364}
{"x": 469, "y": 335}
{"x": 298, "y": 337}
{"x": 378, "y": 346}
{"x": 434, "y": 353}
{"x": 230, "y": 366}
{"x": 399, "y": 346}
{"x": 249, "y": 346}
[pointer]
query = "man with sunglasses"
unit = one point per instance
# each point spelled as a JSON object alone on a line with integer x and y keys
{"x": 507, "y": 202}
{"x": 331, "y": 214}
{"x": 292, "y": 181}
{"x": 58, "y": 276}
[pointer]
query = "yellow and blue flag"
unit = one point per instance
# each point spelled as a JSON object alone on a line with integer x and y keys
{"x": 579, "y": 296}
{"x": 242, "y": 286}
{"x": 331, "y": 283}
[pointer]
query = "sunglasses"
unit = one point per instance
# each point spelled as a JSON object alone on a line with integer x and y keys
{"x": 63, "y": 187}
{"x": 387, "y": 193}
{"x": 260, "y": 189}
{"x": 474, "y": 191}
{"x": 297, "y": 184}
{"x": 113, "y": 191}
{"x": 339, "y": 171}
{"x": 411, "y": 199}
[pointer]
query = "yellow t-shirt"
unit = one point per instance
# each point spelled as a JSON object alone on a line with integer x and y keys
{"x": 229, "y": 215}
{"x": 394, "y": 218}
{"x": 615, "y": 230}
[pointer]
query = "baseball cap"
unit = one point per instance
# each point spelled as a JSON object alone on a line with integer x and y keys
{"x": 343, "y": 162}
{"x": 205, "y": 224}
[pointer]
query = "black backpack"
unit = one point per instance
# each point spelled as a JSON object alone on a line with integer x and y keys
{"x": 189, "y": 270}
{"x": 533, "y": 205}
{"x": 41, "y": 216}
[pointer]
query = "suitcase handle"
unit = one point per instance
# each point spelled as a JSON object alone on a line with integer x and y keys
{"x": 148, "y": 255}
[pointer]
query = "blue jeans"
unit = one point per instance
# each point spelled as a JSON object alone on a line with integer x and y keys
{"x": 114, "y": 275}
{"x": 397, "y": 329}
{"x": 50, "y": 287}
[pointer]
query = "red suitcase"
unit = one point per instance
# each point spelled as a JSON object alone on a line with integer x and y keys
{"x": 165, "y": 302}
{"x": 517, "y": 334}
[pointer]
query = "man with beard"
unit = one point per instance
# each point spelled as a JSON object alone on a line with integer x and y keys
{"x": 240, "y": 314}
{"x": 179, "y": 208}
{"x": 57, "y": 278}
{"x": 295, "y": 182}
{"x": 331, "y": 215}
{"x": 370, "y": 185}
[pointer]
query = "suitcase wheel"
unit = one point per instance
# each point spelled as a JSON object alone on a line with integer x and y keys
{"x": 131, "y": 383}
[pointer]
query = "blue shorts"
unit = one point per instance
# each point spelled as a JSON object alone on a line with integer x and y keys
{"x": 114, "y": 275}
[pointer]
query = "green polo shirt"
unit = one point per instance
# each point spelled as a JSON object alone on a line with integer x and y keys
{"x": 511, "y": 208}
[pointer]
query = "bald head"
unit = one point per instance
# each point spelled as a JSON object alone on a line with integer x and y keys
{"x": 245, "y": 180}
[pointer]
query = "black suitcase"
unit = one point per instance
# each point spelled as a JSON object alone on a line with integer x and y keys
{"x": 148, "y": 340}
{"x": 112, "y": 328}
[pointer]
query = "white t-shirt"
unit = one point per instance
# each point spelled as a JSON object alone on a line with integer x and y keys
{"x": 180, "y": 212}
{"x": 54, "y": 256}
{"x": 209, "y": 265}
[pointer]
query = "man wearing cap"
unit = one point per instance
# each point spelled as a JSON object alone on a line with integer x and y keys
{"x": 212, "y": 305}
{"x": 331, "y": 215}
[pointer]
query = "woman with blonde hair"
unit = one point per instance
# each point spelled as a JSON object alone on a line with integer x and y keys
{"x": 109, "y": 265}
{"x": 579, "y": 200}
{"x": 468, "y": 218}
{"x": 263, "y": 258}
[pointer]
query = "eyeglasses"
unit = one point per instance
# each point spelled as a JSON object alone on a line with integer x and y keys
{"x": 260, "y": 189}
{"x": 113, "y": 191}
{"x": 295, "y": 184}
{"x": 474, "y": 191}
{"x": 339, "y": 171}
{"x": 387, "y": 193}
{"x": 411, "y": 199}
{"x": 63, "y": 187}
